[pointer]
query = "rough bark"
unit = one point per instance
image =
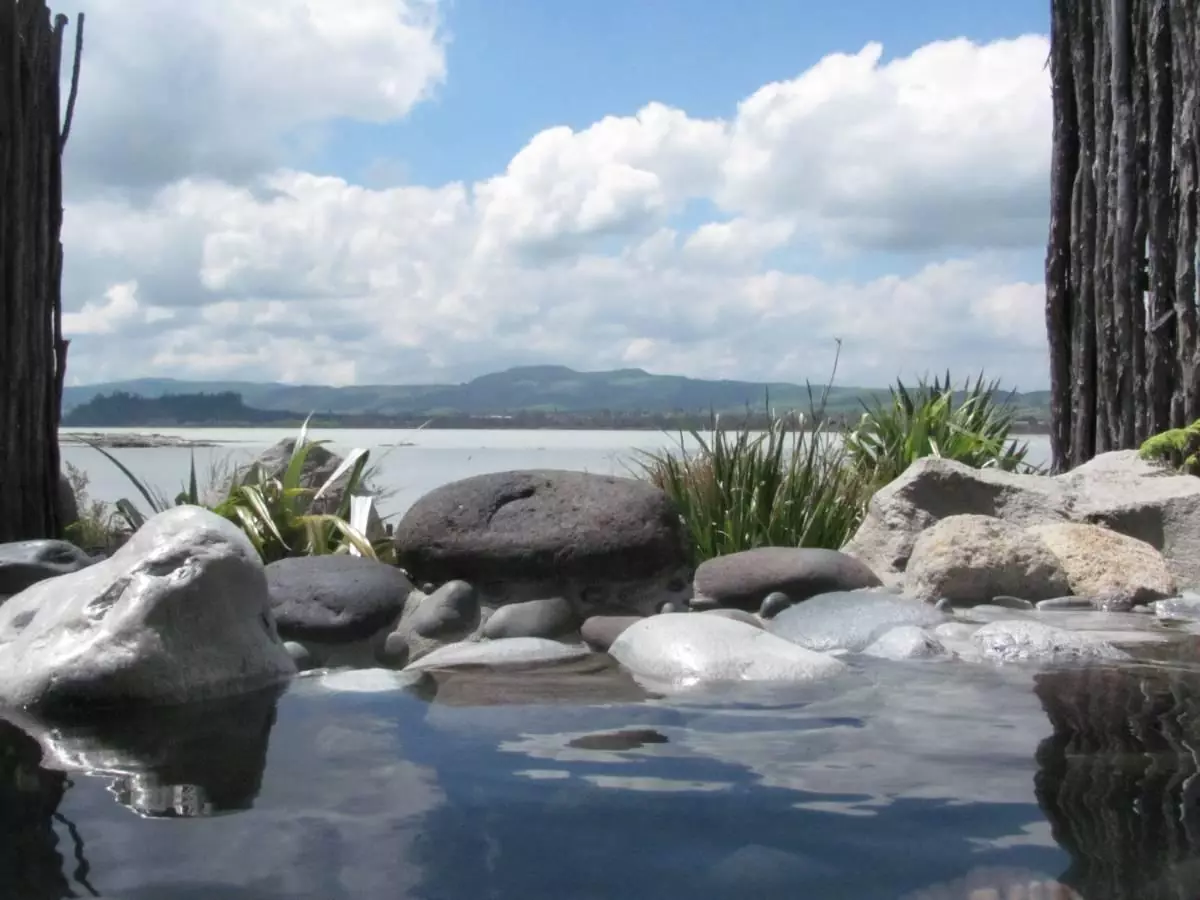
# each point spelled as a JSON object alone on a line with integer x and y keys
{"x": 32, "y": 349}
{"x": 1121, "y": 280}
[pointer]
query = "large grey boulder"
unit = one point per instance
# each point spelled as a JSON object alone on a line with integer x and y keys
{"x": 681, "y": 650}
{"x": 25, "y": 563}
{"x": 335, "y": 598}
{"x": 970, "y": 559}
{"x": 604, "y": 543}
{"x": 180, "y": 613}
{"x": 743, "y": 580}
{"x": 1131, "y": 496}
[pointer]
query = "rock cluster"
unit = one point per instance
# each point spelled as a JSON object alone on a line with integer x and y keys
{"x": 520, "y": 572}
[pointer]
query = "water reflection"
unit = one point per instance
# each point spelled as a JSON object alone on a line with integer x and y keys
{"x": 1118, "y": 783}
{"x": 202, "y": 759}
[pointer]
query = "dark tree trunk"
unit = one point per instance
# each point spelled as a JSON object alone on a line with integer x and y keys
{"x": 1121, "y": 282}
{"x": 32, "y": 349}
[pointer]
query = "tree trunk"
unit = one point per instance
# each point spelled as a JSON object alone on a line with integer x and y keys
{"x": 32, "y": 349}
{"x": 1121, "y": 281}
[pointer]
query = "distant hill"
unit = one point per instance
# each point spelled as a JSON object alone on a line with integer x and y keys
{"x": 529, "y": 389}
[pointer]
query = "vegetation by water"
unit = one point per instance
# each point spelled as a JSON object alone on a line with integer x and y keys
{"x": 280, "y": 515}
{"x": 803, "y": 483}
{"x": 1178, "y": 447}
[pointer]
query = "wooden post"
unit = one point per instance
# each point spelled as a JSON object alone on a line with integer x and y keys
{"x": 32, "y": 349}
{"x": 1121, "y": 283}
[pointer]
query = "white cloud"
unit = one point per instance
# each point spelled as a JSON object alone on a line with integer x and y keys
{"x": 720, "y": 248}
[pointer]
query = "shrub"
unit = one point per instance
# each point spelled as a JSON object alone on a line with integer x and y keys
{"x": 279, "y": 514}
{"x": 786, "y": 486}
{"x": 1178, "y": 447}
{"x": 97, "y": 530}
{"x": 912, "y": 424}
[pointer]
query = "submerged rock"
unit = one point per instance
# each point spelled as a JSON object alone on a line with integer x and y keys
{"x": 743, "y": 580}
{"x": 180, "y": 613}
{"x": 906, "y": 642}
{"x": 685, "y": 649}
{"x": 850, "y": 620}
{"x": 1021, "y": 640}
{"x": 25, "y": 563}
{"x": 506, "y": 652}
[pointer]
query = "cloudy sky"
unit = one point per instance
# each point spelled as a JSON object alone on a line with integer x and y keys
{"x": 337, "y": 192}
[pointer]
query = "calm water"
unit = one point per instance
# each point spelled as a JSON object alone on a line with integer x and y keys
{"x": 916, "y": 781}
{"x": 406, "y": 472}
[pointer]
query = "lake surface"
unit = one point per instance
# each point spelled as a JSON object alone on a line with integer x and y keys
{"x": 432, "y": 457}
{"x": 914, "y": 781}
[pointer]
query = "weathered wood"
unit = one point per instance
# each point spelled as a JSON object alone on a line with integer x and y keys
{"x": 32, "y": 350}
{"x": 1121, "y": 280}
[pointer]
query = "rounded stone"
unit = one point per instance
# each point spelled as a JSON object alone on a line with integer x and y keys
{"x": 774, "y": 603}
{"x": 450, "y": 611}
{"x": 548, "y": 618}
{"x": 395, "y": 651}
{"x": 744, "y": 579}
{"x": 599, "y": 632}
{"x": 335, "y": 599}
{"x": 25, "y": 563}
{"x": 301, "y": 655}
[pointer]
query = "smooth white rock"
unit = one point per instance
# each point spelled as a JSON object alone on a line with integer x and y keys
{"x": 850, "y": 620}
{"x": 1019, "y": 640}
{"x": 517, "y": 651}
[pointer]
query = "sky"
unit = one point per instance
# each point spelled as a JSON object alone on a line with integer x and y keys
{"x": 415, "y": 191}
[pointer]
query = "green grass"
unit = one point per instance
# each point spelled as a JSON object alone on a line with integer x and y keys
{"x": 802, "y": 483}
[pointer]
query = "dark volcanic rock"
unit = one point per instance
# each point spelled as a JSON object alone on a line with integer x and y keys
{"x": 540, "y": 523}
{"x": 27, "y": 562}
{"x": 450, "y": 612}
{"x": 743, "y": 580}
{"x": 335, "y": 598}
{"x": 598, "y": 632}
{"x": 547, "y": 618}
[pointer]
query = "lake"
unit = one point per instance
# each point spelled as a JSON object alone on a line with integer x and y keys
{"x": 433, "y": 458}
{"x": 894, "y": 782}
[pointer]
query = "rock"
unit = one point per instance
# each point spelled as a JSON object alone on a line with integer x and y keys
{"x": 1012, "y": 602}
{"x": 850, "y": 620}
{"x": 738, "y": 615}
{"x": 701, "y": 603}
{"x": 395, "y": 652}
{"x": 302, "y": 656}
{"x": 373, "y": 681}
{"x": 549, "y": 618}
{"x": 335, "y": 599}
{"x": 773, "y": 604}
{"x": 970, "y": 559}
{"x": 599, "y": 632}
{"x": 24, "y": 563}
{"x": 602, "y": 542}
{"x": 1178, "y": 608}
{"x": 905, "y": 642}
{"x": 180, "y": 613}
{"x": 1019, "y": 640}
{"x": 684, "y": 649}
{"x": 1100, "y": 563}
{"x": 449, "y": 613}
{"x": 527, "y": 652}
{"x": 1136, "y": 497}
{"x": 742, "y": 580}
{"x": 1060, "y": 603}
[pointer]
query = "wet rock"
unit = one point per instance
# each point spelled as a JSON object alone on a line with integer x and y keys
{"x": 1119, "y": 570}
{"x": 604, "y": 543}
{"x": 395, "y": 652}
{"x": 738, "y": 615}
{"x": 525, "y": 652}
{"x": 971, "y": 559}
{"x": 599, "y": 632}
{"x": 774, "y": 603}
{"x": 850, "y": 620}
{"x": 685, "y": 649}
{"x": 1178, "y": 608}
{"x": 450, "y": 612}
{"x": 1060, "y": 603}
{"x": 1131, "y": 496}
{"x": 742, "y": 580}
{"x": 1012, "y": 602}
{"x": 25, "y": 563}
{"x": 1021, "y": 640}
{"x": 906, "y": 642}
{"x": 549, "y": 618}
{"x": 335, "y": 599}
{"x": 302, "y": 656}
{"x": 180, "y": 613}
{"x": 372, "y": 681}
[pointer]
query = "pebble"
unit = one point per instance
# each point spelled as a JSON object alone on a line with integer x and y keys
{"x": 1012, "y": 602}
{"x": 1065, "y": 603}
{"x": 773, "y": 604}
